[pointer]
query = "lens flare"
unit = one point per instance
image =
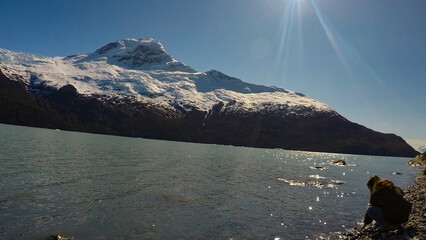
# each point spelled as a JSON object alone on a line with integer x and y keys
{"x": 292, "y": 40}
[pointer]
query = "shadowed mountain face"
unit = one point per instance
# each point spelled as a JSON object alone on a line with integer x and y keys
{"x": 132, "y": 87}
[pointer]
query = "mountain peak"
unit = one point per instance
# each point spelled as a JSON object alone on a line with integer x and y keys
{"x": 131, "y": 46}
{"x": 144, "y": 53}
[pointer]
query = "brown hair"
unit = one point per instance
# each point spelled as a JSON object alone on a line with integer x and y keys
{"x": 373, "y": 179}
{"x": 379, "y": 183}
{"x": 384, "y": 183}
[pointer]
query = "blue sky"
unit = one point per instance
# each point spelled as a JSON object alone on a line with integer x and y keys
{"x": 366, "y": 59}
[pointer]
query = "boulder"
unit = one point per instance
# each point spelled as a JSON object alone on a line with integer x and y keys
{"x": 58, "y": 237}
{"x": 339, "y": 162}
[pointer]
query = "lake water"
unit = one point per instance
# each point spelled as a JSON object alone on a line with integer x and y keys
{"x": 92, "y": 186}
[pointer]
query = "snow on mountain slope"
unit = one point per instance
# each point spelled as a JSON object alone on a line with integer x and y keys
{"x": 142, "y": 70}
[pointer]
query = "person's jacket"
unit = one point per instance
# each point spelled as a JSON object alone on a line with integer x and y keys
{"x": 390, "y": 198}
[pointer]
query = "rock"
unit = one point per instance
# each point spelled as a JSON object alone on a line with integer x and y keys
{"x": 419, "y": 160}
{"x": 339, "y": 162}
{"x": 68, "y": 90}
{"x": 58, "y": 237}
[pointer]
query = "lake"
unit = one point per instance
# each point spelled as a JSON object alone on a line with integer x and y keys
{"x": 90, "y": 186}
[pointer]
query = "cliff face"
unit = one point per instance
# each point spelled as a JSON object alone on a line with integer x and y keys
{"x": 65, "y": 108}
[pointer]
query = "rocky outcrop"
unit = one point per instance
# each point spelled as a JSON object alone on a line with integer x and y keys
{"x": 419, "y": 160}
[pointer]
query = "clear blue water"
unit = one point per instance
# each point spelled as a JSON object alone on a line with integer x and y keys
{"x": 92, "y": 186}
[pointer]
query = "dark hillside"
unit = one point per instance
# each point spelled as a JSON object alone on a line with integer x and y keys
{"x": 65, "y": 109}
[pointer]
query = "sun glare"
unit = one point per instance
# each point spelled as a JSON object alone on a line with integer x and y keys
{"x": 292, "y": 40}
{"x": 291, "y": 21}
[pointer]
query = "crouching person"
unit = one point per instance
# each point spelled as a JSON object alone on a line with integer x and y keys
{"x": 388, "y": 207}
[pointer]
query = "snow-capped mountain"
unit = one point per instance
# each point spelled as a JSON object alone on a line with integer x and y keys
{"x": 141, "y": 69}
{"x": 132, "y": 87}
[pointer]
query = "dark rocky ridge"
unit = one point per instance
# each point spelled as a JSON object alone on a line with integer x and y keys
{"x": 66, "y": 109}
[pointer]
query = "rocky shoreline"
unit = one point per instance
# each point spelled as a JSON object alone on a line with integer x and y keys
{"x": 414, "y": 229}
